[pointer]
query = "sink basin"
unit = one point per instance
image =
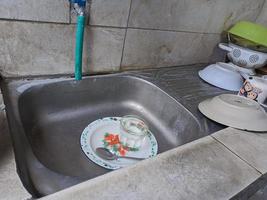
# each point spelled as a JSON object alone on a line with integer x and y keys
{"x": 46, "y": 119}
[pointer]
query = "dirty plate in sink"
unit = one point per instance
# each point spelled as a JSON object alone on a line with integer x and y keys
{"x": 105, "y": 133}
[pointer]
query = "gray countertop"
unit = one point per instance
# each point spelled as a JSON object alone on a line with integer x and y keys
{"x": 11, "y": 187}
{"x": 229, "y": 163}
{"x": 214, "y": 167}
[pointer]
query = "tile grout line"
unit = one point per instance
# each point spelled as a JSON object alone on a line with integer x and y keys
{"x": 69, "y": 13}
{"x": 104, "y": 26}
{"x": 153, "y": 29}
{"x": 237, "y": 155}
{"x": 124, "y": 41}
{"x": 171, "y": 30}
{"x": 33, "y": 21}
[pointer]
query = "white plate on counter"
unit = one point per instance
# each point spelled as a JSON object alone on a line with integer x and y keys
{"x": 235, "y": 111}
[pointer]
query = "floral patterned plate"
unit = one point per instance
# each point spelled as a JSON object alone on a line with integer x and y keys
{"x": 105, "y": 133}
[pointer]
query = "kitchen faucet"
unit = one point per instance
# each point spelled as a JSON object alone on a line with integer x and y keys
{"x": 79, "y": 8}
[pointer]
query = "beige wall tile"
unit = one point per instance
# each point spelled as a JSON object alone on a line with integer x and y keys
{"x": 192, "y": 15}
{"x": 262, "y": 18}
{"x": 109, "y": 12}
{"x": 106, "y": 13}
{"x": 11, "y": 187}
{"x": 150, "y": 48}
{"x": 34, "y": 49}
{"x": 105, "y": 49}
{"x": 34, "y": 10}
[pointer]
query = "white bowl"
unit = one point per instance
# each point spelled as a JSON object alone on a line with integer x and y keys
{"x": 235, "y": 111}
{"x": 244, "y": 57}
{"x": 222, "y": 75}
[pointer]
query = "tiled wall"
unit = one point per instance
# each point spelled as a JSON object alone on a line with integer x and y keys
{"x": 37, "y": 37}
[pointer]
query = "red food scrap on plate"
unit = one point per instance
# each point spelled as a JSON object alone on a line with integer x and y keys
{"x": 113, "y": 141}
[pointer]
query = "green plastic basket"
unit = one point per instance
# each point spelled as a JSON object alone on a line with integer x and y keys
{"x": 250, "y": 31}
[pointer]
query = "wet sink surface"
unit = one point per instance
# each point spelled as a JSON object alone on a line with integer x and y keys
{"x": 47, "y": 117}
{"x": 54, "y": 116}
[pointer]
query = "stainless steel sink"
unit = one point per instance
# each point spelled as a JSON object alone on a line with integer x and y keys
{"x": 54, "y": 116}
{"x": 47, "y": 117}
